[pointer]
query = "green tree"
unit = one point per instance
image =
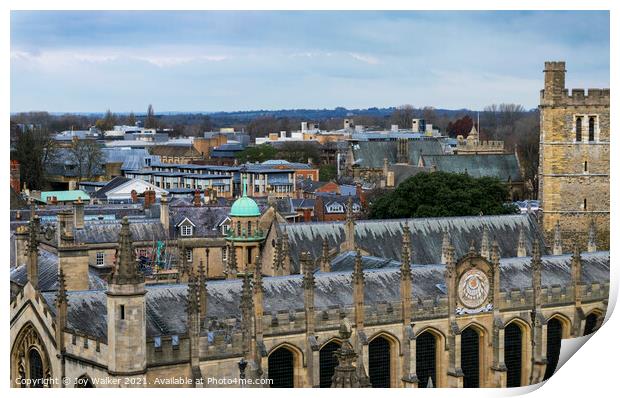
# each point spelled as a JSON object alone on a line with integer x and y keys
{"x": 258, "y": 153}
{"x": 299, "y": 152}
{"x": 34, "y": 149}
{"x": 327, "y": 172}
{"x": 441, "y": 194}
{"x": 150, "y": 122}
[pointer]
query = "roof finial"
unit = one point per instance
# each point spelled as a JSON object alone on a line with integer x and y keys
{"x": 126, "y": 271}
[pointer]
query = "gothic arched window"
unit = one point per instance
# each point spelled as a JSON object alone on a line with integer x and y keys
{"x": 35, "y": 371}
{"x": 470, "y": 358}
{"x": 554, "y": 343}
{"x": 379, "y": 362}
{"x": 426, "y": 359}
{"x": 281, "y": 368}
{"x": 328, "y": 363}
{"x": 591, "y": 321}
{"x": 513, "y": 345}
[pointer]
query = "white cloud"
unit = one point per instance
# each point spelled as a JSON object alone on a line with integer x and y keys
{"x": 368, "y": 59}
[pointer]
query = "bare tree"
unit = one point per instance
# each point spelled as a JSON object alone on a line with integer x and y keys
{"x": 34, "y": 149}
{"x": 88, "y": 157}
{"x": 151, "y": 121}
{"x": 402, "y": 116}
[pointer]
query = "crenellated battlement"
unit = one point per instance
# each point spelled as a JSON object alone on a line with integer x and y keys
{"x": 577, "y": 97}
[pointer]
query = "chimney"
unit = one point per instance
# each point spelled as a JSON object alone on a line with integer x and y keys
{"x": 394, "y": 128}
{"x": 149, "y": 198}
{"x": 307, "y": 215}
{"x": 65, "y": 221}
{"x": 304, "y": 127}
{"x": 78, "y": 213}
{"x": 360, "y": 194}
{"x": 164, "y": 216}
{"x": 134, "y": 196}
{"x": 197, "y": 201}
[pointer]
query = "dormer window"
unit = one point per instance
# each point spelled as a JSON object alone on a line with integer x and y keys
{"x": 187, "y": 230}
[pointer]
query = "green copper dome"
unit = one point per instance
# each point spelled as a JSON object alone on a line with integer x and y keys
{"x": 244, "y": 206}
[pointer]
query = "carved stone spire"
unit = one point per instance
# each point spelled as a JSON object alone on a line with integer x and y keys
{"x": 286, "y": 254}
{"x": 246, "y": 313}
{"x": 32, "y": 269}
{"x": 202, "y": 291}
{"x": 445, "y": 243}
{"x": 358, "y": 272}
{"x": 326, "y": 265}
{"x": 193, "y": 319}
{"x": 536, "y": 265}
{"x": 308, "y": 283}
{"x": 496, "y": 274}
{"x": 61, "y": 311}
{"x": 358, "y": 291}
{"x": 257, "y": 291}
{"x": 576, "y": 271}
{"x": 592, "y": 238}
{"x": 126, "y": 272}
{"x": 521, "y": 251}
{"x": 557, "y": 240}
{"x": 231, "y": 271}
{"x": 349, "y": 228}
{"x": 405, "y": 266}
{"x": 258, "y": 273}
{"x": 345, "y": 373}
{"x": 472, "y": 249}
{"x": 484, "y": 245}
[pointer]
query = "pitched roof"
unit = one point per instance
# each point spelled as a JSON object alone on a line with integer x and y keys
{"x": 370, "y": 154}
{"x": 107, "y": 231}
{"x": 165, "y": 304}
{"x": 383, "y": 238}
{"x": 174, "y": 150}
{"x": 48, "y": 274}
{"x": 206, "y": 219}
{"x": 502, "y": 166}
{"x": 115, "y": 182}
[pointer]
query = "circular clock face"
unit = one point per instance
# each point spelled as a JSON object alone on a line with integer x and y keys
{"x": 473, "y": 288}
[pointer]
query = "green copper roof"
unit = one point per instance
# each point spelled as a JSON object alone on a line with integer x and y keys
{"x": 65, "y": 196}
{"x": 244, "y": 206}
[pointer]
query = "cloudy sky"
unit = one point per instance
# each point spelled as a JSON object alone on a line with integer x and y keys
{"x": 225, "y": 61}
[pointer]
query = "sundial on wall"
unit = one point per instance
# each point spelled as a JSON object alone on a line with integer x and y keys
{"x": 473, "y": 288}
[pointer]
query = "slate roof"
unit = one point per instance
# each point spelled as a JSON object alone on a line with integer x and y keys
{"x": 383, "y": 238}
{"x": 205, "y": 218}
{"x": 502, "y": 166}
{"x": 404, "y": 171}
{"x": 165, "y": 304}
{"x": 370, "y": 154}
{"x": 48, "y": 274}
{"x": 107, "y": 231}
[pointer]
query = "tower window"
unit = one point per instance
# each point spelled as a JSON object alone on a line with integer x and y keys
{"x": 122, "y": 311}
{"x": 249, "y": 228}
{"x": 238, "y": 228}
{"x": 100, "y": 258}
{"x": 189, "y": 255}
{"x": 585, "y": 204}
{"x": 591, "y": 123}
{"x": 578, "y": 126}
{"x": 585, "y": 166}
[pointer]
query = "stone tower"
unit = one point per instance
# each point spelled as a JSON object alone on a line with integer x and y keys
{"x": 574, "y": 158}
{"x": 126, "y": 311}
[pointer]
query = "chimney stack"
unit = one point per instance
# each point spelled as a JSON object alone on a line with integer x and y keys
{"x": 78, "y": 213}
{"x": 197, "y": 201}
